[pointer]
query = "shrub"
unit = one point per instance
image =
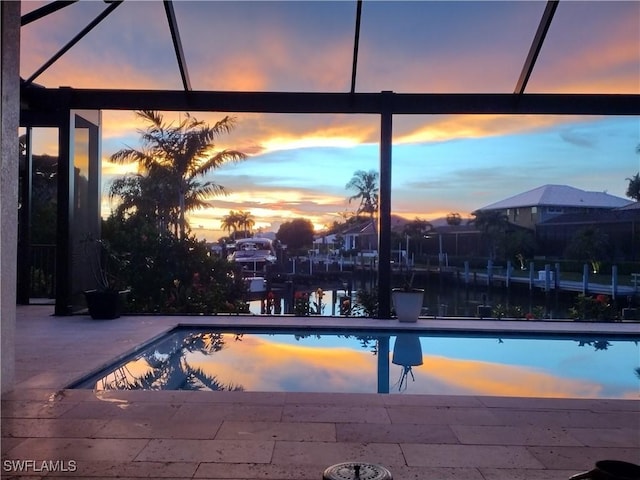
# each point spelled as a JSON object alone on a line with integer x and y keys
{"x": 597, "y": 308}
{"x": 166, "y": 274}
{"x": 366, "y": 304}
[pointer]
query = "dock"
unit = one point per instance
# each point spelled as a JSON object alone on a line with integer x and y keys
{"x": 614, "y": 289}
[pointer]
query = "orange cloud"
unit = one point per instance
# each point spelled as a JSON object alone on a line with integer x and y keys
{"x": 119, "y": 124}
{"x": 239, "y": 72}
{"x": 43, "y": 141}
{"x": 331, "y": 68}
{"x": 277, "y": 132}
{"x": 440, "y": 128}
{"x": 599, "y": 60}
{"x": 112, "y": 170}
{"x": 281, "y": 196}
{"x": 206, "y": 222}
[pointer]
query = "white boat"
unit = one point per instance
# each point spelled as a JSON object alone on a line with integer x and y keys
{"x": 254, "y": 252}
{"x": 256, "y": 284}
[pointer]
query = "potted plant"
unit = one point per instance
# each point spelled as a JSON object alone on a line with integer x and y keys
{"x": 105, "y": 301}
{"x": 407, "y": 301}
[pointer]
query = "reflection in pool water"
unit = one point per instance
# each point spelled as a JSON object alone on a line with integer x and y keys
{"x": 383, "y": 362}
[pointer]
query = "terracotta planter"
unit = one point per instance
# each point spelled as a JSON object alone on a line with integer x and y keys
{"x": 407, "y": 304}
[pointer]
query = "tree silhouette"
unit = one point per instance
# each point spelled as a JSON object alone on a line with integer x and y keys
{"x": 175, "y": 158}
{"x": 493, "y": 225}
{"x": 416, "y": 231}
{"x": 296, "y": 234}
{"x": 230, "y": 223}
{"x": 237, "y": 220}
{"x": 246, "y": 222}
{"x": 454, "y": 219}
{"x": 147, "y": 196}
{"x": 365, "y": 185}
{"x": 588, "y": 244}
{"x": 633, "y": 189}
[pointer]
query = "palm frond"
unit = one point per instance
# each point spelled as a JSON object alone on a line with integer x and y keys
{"x": 217, "y": 160}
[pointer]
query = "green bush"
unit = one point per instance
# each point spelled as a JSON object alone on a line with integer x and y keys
{"x": 595, "y": 308}
{"x": 511, "y": 311}
{"x": 366, "y": 304}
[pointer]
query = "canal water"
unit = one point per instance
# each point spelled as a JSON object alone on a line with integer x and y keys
{"x": 442, "y": 298}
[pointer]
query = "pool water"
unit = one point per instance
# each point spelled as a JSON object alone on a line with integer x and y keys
{"x": 381, "y": 362}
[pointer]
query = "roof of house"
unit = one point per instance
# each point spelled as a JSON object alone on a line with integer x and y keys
{"x": 631, "y": 206}
{"x": 362, "y": 228}
{"x": 366, "y": 226}
{"x": 560, "y": 196}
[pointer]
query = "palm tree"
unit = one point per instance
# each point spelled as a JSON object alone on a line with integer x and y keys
{"x": 230, "y": 222}
{"x": 246, "y": 222}
{"x": 365, "y": 185}
{"x": 181, "y": 155}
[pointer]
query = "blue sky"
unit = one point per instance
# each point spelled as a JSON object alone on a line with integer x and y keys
{"x": 298, "y": 165}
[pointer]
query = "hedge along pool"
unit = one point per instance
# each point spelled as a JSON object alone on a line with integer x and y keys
{"x": 369, "y": 361}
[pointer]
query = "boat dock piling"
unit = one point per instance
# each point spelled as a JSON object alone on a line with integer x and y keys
{"x": 550, "y": 279}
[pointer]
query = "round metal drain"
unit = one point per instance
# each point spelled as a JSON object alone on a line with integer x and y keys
{"x": 356, "y": 471}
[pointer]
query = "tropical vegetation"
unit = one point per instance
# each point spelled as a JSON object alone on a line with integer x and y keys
{"x": 166, "y": 269}
{"x": 238, "y": 221}
{"x": 593, "y": 308}
{"x": 167, "y": 274}
{"x": 589, "y": 244}
{"x": 492, "y": 224}
{"x": 633, "y": 189}
{"x": 296, "y": 234}
{"x": 365, "y": 185}
{"x": 173, "y": 163}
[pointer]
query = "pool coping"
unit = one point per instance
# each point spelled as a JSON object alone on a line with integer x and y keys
{"x": 424, "y": 323}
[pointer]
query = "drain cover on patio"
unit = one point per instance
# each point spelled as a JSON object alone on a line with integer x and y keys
{"x": 356, "y": 471}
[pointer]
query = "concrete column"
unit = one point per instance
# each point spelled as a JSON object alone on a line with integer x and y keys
{"x": 10, "y": 121}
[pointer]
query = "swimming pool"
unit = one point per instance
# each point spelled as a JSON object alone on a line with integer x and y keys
{"x": 395, "y": 362}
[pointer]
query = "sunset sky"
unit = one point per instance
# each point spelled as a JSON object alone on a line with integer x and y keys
{"x": 298, "y": 165}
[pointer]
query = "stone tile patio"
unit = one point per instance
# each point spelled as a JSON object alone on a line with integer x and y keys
{"x": 262, "y": 435}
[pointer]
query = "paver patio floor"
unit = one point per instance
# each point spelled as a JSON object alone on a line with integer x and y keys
{"x": 265, "y": 435}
